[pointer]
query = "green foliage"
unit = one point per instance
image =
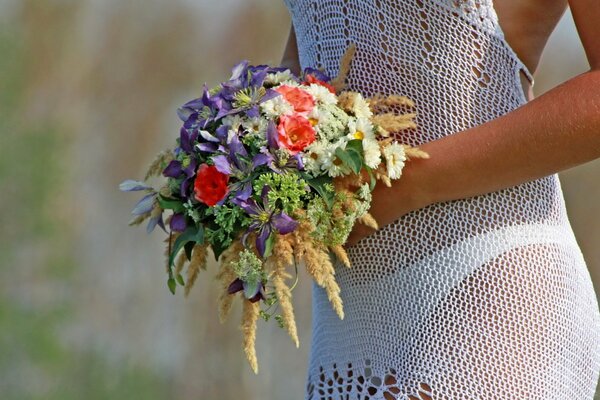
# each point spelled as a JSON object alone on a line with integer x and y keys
{"x": 287, "y": 193}
{"x": 228, "y": 222}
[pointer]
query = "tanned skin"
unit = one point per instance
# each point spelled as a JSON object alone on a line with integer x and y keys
{"x": 550, "y": 133}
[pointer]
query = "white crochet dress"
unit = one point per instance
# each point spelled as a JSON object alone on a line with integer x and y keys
{"x": 487, "y": 297}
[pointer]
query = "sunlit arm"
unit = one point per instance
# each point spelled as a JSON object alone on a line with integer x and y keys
{"x": 289, "y": 58}
{"x": 554, "y": 132}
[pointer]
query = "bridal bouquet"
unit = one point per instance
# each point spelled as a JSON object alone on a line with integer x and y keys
{"x": 271, "y": 170}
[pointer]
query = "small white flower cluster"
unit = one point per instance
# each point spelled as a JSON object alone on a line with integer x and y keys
{"x": 334, "y": 128}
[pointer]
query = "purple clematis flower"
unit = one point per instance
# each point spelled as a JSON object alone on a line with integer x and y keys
{"x": 253, "y": 293}
{"x": 265, "y": 220}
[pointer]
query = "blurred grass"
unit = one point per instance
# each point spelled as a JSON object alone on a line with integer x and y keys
{"x": 37, "y": 274}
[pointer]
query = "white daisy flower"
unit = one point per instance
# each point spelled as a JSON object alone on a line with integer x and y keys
{"x": 256, "y": 126}
{"x": 361, "y": 107}
{"x": 321, "y": 94}
{"x": 331, "y": 163}
{"x": 314, "y": 156}
{"x": 278, "y": 77}
{"x": 360, "y": 128}
{"x": 394, "y": 157}
{"x": 372, "y": 153}
{"x": 276, "y": 106}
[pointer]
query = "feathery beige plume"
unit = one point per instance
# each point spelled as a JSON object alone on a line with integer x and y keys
{"x": 170, "y": 240}
{"x": 139, "y": 219}
{"x": 381, "y": 102}
{"x": 339, "y": 82}
{"x": 341, "y": 254}
{"x": 156, "y": 166}
{"x": 414, "y": 152}
{"x": 225, "y": 276}
{"x": 180, "y": 262}
{"x": 346, "y": 100}
{"x": 391, "y": 122}
{"x": 368, "y": 220}
{"x": 283, "y": 256}
{"x": 198, "y": 262}
{"x": 250, "y": 313}
{"x": 319, "y": 266}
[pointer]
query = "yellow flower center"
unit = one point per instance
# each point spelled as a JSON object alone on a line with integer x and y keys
{"x": 263, "y": 217}
{"x": 313, "y": 121}
{"x": 359, "y": 135}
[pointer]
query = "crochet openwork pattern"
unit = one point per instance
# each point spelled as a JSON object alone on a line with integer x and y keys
{"x": 487, "y": 297}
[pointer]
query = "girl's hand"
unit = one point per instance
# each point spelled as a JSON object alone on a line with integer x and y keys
{"x": 406, "y": 194}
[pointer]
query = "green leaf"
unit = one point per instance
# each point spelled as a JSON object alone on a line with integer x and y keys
{"x": 319, "y": 185}
{"x": 218, "y": 248}
{"x": 171, "y": 204}
{"x": 188, "y": 247}
{"x": 355, "y": 145}
{"x": 269, "y": 244}
{"x": 193, "y": 234}
{"x": 171, "y": 283}
{"x": 372, "y": 176}
{"x": 351, "y": 158}
{"x": 180, "y": 280}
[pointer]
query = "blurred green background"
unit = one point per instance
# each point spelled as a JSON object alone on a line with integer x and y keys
{"x": 88, "y": 92}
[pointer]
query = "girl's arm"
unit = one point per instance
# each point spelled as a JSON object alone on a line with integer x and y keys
{"x": 290, "y": 53}
{"x": 556, "y": 131}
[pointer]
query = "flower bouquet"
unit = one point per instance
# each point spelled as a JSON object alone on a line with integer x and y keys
{"x": 271, "y": 170}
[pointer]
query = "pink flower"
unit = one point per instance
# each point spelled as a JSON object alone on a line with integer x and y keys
{"x": 312, "y": 79}
{"x": 298, "y": 98}
{"x": 295, "y": 132}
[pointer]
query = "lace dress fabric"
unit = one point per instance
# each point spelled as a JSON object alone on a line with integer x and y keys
{"x": 487, "y": 297}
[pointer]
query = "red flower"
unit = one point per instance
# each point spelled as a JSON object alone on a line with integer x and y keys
{"x": 210, "y": 185}
{"x": 311, "y": 79}
{"x": 295, "y": 132}
{"x": 298, "y": 98}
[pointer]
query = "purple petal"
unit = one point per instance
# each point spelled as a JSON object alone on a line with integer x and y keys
{"x": 239, "y": 70}
{"x": 235, "y": 286}
{"x": 221, "y": 132}
{"x": 222, "y": 164}
{"x": 194, "y": 104}
{"x": 249, "y": 205}
{"x": 261, "y": 239}
{"x": 207, "y": 147}
{"x": 186, "y": 139}
{"x": 152, "y": 222}
{"x": 253, "y": 112}
{"x": 299, "y": 163}
{"x": 178, "y": 223}
{"x": 269, "y": 95}
{"x": 284, "y": 223}
{"x": 262, "y": 159}
{"x": 145, "y": 205}
{"x": 272, "y": 135}
{"x": 207, "y": 136}
{"x": 184, "y": 114}
{"x": 190, "y": 170}
{"x": 130, "y": 185}
{"x": 185, "y": 187}
{"x": 245, "y": 192}
{"x": 258, "y": 76}
{"x": 173, "y": 170}
{"x": 264, "y": 194}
